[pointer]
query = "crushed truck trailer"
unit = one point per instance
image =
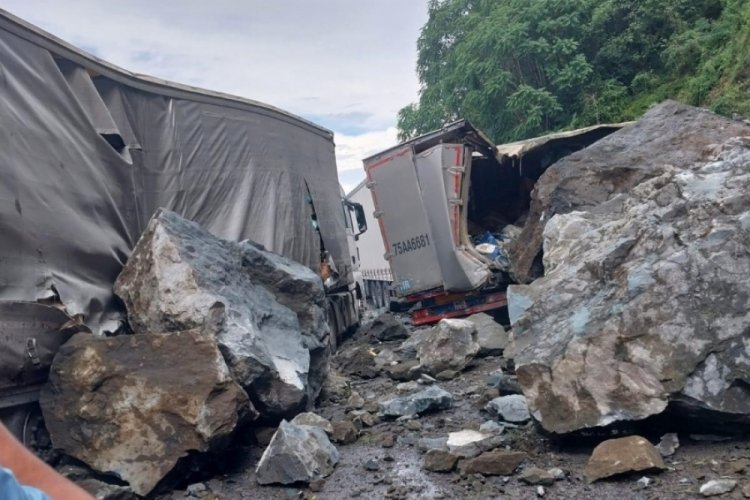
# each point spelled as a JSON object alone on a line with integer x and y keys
{"x": 89, "y": 151}
{"x": 448, "y": 204}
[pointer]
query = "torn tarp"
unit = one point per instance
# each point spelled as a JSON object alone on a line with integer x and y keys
{"x": 89, "y": 151}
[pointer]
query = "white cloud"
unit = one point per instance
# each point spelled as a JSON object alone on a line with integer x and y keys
{"x": 352, "y": 149}
{"x": 349, "y": 65}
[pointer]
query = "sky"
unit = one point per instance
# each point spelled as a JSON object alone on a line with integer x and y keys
{"x": 348, "y": 65}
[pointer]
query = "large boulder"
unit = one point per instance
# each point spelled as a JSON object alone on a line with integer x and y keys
{"x": 267, "y": 312}
{"x": 297, "y": 453}
{"x": 450, "y": 345}
{"x": 491, "y": 335}
{"x": 133, "y": 405}
{"x": 645, "y": 301}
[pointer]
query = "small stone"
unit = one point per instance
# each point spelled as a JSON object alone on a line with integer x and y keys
{"x": 388, "y": 458}
{"x": 492, "y": 427}
{"x": 446, "y": 375}
{"x": 746, "y": 491}
{"x": 427, "y": 379}
{"x": 372, "y": 465}
{"x": 355, "y": 401}
{"x": 344, "y": 432}
{"x": 738, "y": 466}
{"x": 196, "y": 489}
{"x": 387, "y": 440}
{"x": 668, "y": 444}
{"x": 309, "y": 418}
{"x": 407, "y": 370}
{"x": 413, "y": 425}
{"x": 535, "y": 475}
{"x": 405, "y": 387}
{"x": 511, "y": 408}
{"x": 644, "y": 482}
{"x": 494, "y": 463}
{"x": 426, "y": 444}
{"x": 717, "y": 487}
{"x": 557, "y": 473}
{"x": 617, "y": 456}
{"x": 470, "y": 443}
{"x": 439, "y": 461}
{"x": 317, "y": 485}
{"x": 540, "y": 491}
{"x": 430, "y": 399}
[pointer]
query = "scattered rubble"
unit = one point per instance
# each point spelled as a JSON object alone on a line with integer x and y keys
{"x": 491, "y": 335}
{"x": 449, "y": 346}
{"x": 622, "y": 455}
{"x": 385, "y": 327}
{"x": 431, "y": 399}
{"x": 644, "y": 299}
{"x": 511, "y": 408}
{"x": 668, "y": 444}
{"x": 440, "y": 460}
{"x": 493, "y": 463}
{"x": 344, "y": 432}
{"x": 717, "y": 487}
{"x": 267, "y": 311}
{"x": 314, "y": 420}
{"x": 119, "y": 405}
{"x": 469, "y": 443}
{"x": 297, "y": 453}
{"x": 535, "y": 475}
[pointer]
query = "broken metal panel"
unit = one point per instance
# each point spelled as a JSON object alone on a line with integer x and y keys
{"x": 30, "y": 334}
{"x": 404, "y": 224}
{"x": 72, "y": 204}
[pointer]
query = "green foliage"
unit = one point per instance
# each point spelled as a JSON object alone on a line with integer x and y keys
{"x": 519, "y": 68}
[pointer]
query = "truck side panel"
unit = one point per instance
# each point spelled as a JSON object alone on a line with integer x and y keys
{"x": 409, "y": 242}
{"x": 440, "y": 171}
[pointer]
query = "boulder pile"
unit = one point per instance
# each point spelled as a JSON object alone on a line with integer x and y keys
{"x": 645, "y": 301}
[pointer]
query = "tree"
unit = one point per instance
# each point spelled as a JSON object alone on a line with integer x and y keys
{"x": 518, "y": 68}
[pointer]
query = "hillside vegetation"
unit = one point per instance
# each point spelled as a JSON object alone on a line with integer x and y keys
{"x": 520, "y": 68}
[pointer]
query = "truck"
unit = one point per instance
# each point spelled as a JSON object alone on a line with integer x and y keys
{"x": 89, "y": 151}
{"x": 448, "y": 204}
{"x": 367, "y": 254}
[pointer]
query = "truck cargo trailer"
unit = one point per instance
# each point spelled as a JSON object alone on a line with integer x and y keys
{"x": 447, "y": 205}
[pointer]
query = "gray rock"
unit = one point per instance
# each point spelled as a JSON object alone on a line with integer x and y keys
{"x": 504, "y": 383}
{"x": 535, "y": 476}
{"x": 717, "y": 487}
{"x": 469, "y": 443}
{"x": 644, "y": 482}
{"x": 557, "y": 473}
{"x": 439, "y": 461}
{"x": 449, "y": 346}
{"x": 645, "y": 295}
{"x": 314, "y": 420}
{"x": 408, "y": 348}
{"x": 267, "y": 312}
{"x": 133, "y": 405}
{"x": 668, "y": 444}
{"x": 511, "y": 408}
{"x": 491, "y": 335}
{"x": 385, "y": 328}
{"x": 105, "y": 491}
{"x": 426, "y": 444}
{"x": 297, "y": 453}
{"x": 431, "y": 399}
{"x": 344, "y": 432}
{"x": 492, "y": 427}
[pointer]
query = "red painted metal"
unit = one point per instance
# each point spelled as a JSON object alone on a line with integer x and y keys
{"x": 427, "y": 316}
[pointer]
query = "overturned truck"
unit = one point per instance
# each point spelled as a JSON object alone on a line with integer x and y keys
{"x": 450, "y": 204}
{"x": 90, "y": 151}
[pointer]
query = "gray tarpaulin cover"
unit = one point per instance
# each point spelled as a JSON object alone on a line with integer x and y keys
{"x": 89, "y": 151}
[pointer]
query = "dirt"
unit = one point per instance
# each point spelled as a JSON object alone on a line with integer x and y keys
{"x": 369, "y": 470}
